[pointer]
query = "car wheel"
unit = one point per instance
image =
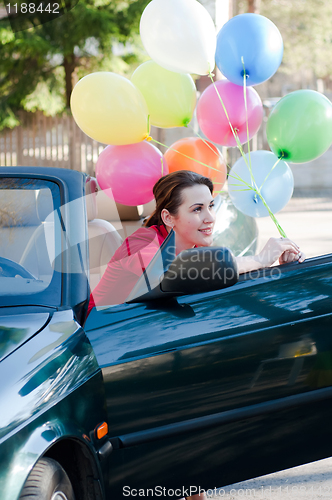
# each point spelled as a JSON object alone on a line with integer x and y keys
{"x": 47, "y": 481}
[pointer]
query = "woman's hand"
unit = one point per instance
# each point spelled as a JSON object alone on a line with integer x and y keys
{"x": 276, "y": 248}
{"x": 283, "y": 249}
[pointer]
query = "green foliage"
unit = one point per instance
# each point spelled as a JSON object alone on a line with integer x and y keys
{"x": 306, "y": 26}
{"x": 39, "y": 65}
{"x": 45, "y": 98}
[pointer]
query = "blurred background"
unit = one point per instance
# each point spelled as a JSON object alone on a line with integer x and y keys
{"x": 41, "y": 65}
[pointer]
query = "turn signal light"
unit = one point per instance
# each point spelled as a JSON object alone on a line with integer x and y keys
{"x": 101, "y": 430}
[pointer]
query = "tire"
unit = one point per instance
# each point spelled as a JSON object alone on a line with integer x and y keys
{"x": 47, "y": 481}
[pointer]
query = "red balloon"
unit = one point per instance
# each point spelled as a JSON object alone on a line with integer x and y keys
{"x": 212, "y": 117}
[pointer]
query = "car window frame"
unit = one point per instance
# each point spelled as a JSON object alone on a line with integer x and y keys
{"x": 51, "y": 295}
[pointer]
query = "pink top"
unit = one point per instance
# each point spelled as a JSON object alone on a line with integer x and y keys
{"x": 127, "y": 265}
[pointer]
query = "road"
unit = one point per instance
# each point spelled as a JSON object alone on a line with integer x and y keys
{"x": 307, "y": 219}
{"x": 307, "y": 482}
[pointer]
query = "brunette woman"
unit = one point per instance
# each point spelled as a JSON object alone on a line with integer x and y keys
{"x": 184, "y": 202}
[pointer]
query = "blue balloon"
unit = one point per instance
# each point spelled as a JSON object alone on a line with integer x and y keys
{"x": 276, "y": 184}
{"x": 257, "y": 41}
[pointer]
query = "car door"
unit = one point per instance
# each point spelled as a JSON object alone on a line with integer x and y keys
{"x": 208, "y": 389}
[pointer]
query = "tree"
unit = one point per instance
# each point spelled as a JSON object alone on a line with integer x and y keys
{"x": 38, "y": 64}
{"x": 253, "y": 6}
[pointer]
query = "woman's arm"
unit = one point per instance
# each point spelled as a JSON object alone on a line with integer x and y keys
{"x": 276, "y": 248}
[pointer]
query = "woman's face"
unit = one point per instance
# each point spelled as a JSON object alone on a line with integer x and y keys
{"x": 193, "y": 224}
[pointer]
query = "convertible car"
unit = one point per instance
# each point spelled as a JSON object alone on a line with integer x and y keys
{"x": 190, "y": 384}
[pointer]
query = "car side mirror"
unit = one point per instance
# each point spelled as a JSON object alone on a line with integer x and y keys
{"x": 201, "y": 270}
{"x": 196, "y": 270}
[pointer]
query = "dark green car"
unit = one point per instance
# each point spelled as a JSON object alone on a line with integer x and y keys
{"x": 185, "y": 387}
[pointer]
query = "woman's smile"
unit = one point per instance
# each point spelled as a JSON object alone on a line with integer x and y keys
{"x": 207, "y": 230}
{"x": 193, "y": 224}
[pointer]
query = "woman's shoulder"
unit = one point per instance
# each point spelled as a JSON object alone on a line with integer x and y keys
{"x": 141, "y": 238}
{"x": 145, "y": 235}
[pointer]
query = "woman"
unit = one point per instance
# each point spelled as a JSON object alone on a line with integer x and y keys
{"x": 184, "y": 203}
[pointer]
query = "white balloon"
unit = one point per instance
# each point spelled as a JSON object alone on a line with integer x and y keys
{"x": 179, "y": 35}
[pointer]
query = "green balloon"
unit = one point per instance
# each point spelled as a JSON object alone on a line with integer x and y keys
{"x": 299, "y": 128}
{"x": 171, "y": 97}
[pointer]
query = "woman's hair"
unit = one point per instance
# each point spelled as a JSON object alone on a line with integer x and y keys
{"x": 168, "y": 192}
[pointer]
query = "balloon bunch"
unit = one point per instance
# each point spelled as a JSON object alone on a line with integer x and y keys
{"x": 116, "y": 111}
{"x": 299, "y": 128}
{"x": 110, "y": 109}
{"x": 180, "y": 38}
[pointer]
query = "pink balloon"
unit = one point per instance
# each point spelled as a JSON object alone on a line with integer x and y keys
{"x": 130, "y": 172}
{"x": 212, "y": 118}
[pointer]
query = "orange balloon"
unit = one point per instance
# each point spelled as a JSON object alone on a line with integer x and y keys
{"x": 195, "y": 151}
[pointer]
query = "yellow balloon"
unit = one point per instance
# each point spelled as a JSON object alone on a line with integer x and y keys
{"x": 110, "y": 109}
{"x": 171, "y": 97}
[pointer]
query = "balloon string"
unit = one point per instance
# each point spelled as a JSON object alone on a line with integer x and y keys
{"x": 205, "y": 142}
{"x": 273, "y": 217}
{"x": 251, "y": 187}
{"x": 186, "y": 156}
{"x": 229, "y": 122}
{"x": 234, "y": 133}
{"x": 276, "y": 163}
{"x": 237, "y": 177}
{"x": 247, "y": 121}
{"x": 256, "y": 189}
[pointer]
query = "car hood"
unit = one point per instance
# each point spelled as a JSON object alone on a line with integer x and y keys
{"x": 15, "y": 330}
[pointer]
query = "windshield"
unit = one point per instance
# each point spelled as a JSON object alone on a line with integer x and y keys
{"x": 28, "y": 241}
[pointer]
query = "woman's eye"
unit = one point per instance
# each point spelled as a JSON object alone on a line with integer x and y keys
{"x": 199, "y": 209}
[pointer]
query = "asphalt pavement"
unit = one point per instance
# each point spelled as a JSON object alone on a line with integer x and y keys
{"x": 307, "y": 482}
{"x": 306, "y": 219}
